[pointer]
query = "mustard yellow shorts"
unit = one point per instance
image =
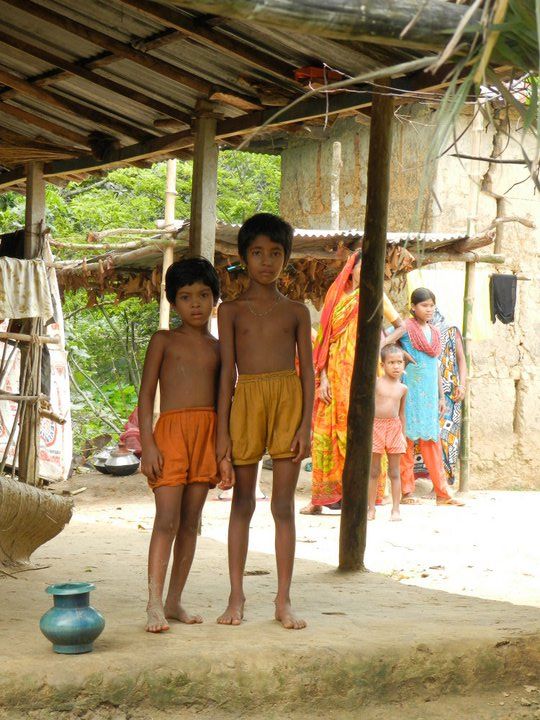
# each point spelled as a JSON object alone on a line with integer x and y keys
{"x": 265, "y": 415}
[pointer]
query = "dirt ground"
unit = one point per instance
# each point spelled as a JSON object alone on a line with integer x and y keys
{"x": 419, "y": 638}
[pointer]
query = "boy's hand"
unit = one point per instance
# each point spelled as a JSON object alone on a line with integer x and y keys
{"x": 152, "y": 463}
{"x": 301, "y": 445}
{"x": 224, "y": 449}
{"x": 226, "y": 473}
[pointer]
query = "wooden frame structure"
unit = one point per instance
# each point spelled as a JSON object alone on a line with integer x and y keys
{"x": 91, "y": 86}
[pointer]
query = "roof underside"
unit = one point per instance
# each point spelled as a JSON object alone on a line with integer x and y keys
{"x": 136, "y": 71}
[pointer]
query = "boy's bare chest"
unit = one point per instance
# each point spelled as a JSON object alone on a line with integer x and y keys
{"x": 274, "y": 327}
{"x": 188, "y": 360}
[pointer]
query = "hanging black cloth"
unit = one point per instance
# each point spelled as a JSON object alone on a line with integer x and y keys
{"x": 502, "y": 297}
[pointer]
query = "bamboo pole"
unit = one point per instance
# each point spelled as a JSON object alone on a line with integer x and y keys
{"x": 168, "y": 253}
{"x": 468, "y": 304}
{"x": 24, "y": 337}
{"x": 465, "y": 447}
{"x": 335, "y": 180}
{"x": 353, "y": 529}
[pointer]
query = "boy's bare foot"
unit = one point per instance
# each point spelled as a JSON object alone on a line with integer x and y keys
{"x": 234, "y": 614}
{"x": 371, "y": 514}
{"x": 395, "y": 516}
{"x": 285, "y": 615}
{"x": 156, "y": 621}
{"x": 177, "y": 612}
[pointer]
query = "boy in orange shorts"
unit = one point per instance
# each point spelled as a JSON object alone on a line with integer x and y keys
{"x": 260, "y": 333}
{"x": 388, "y": 425}
{"x": 178, "y": 456}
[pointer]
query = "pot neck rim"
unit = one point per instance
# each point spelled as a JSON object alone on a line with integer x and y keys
{"x": 70, "y": 588}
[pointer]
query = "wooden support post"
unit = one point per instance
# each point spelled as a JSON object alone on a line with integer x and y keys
{"x": 202, "y": 234}
{"x": 465, "y": 447}
{"x": 31, "y": 352}
{"x": 353, "y": 530}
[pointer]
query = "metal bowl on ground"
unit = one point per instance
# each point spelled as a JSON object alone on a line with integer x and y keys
{"x": 100, "y": 459}
{"x": 122, "y": 461}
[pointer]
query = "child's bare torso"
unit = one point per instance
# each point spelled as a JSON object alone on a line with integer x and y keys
{"x": 188, "y": 375}
{"x": 265, "y": 341}
{"x": 388, "y": 394}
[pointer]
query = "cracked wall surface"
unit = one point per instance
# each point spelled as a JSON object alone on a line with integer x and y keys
{"x": 505, "y": 385}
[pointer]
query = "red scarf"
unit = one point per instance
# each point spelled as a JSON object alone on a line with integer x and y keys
{"x": 420, "y": 341}
{"x": 333, "y": 296}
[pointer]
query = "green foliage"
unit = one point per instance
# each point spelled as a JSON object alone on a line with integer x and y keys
{"x": 247, "y": 184}
{"x": 107, "y": 344}
{"x": 135, "y": 197}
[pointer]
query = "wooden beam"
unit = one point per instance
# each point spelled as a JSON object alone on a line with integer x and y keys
{"x": 430, "y": 24}
{"x": 122, "y": 50}
{"x": 312, "y": 108}
{"x": 196, "y": 30}
{"x": 92, "y": 77}
{"x": 70, "y": 106}
{"x": 116, "y": 158}
{"x": 202, "y": 231}
{"x": 37, "y": 121}
{"x": 356, "y": 473}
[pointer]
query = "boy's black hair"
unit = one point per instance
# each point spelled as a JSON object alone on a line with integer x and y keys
{"x": 273, "y": 226}
{"x": 421, "y": 295}
{"x": 391, "y": 349}
{"x": 189, "y": 271}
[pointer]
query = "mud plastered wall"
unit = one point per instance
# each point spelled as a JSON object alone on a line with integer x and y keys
{"x": 505, "y": 385}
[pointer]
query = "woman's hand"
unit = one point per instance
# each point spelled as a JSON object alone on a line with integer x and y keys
{"x": 442, "y": 405}
{"x": 409, "y": 358}
{"x": 460, "y": 393}
{"x": 152, "y": 463}
{"x": 325, "y": 391}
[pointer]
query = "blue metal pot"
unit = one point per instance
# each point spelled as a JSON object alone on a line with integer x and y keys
{"x": 72, "y": 624}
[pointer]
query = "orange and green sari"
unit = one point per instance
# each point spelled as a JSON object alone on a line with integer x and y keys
{"x": 334, "y": 351}
{"x": 329, "y": 442}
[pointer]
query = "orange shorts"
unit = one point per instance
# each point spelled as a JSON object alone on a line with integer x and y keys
{"x": 388, "y": 436}
{"x": 187, "y": 440}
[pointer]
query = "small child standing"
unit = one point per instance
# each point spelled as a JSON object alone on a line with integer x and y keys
{"x": 178, "y": 456}
{"x": 260, "y": 333}
{"x": 425, "y": 398}
{"x": 388, "y": 426}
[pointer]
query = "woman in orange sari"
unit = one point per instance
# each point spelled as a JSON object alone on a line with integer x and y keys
{"x": 333, "y": 356}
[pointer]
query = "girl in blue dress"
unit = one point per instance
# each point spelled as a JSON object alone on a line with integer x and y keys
{"x": 425, "y": 398}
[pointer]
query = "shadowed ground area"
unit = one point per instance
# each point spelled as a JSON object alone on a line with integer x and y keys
{"x": 371, "y": 639}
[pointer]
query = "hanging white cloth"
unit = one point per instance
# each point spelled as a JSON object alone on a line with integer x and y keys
{"x": 24, "y": 289}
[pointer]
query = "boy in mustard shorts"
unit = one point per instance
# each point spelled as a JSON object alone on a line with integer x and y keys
{"x": 179, "y": 454}
{"x": 269, "y": 409}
